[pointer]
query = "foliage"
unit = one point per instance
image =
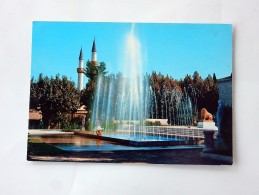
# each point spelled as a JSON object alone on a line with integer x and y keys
{"x": 173, "y": 94}
{"x": 157, "y": 123}
{"x": 211, "y": 95}
{"x": 150, "y": 123}
{"x": 53, "y": 96}
{"x": 91, "y": 72}
{"x": 71, "y": 126}
{"x": 101, "y": 69}
{"x": 163, "y": 89}
{"x": 215, "y": 78}
{"x": 68, "y": 124}
{"x": 63, "y": 121}
{"x": 87, "y": 94}
{"x": 202, "y": 92}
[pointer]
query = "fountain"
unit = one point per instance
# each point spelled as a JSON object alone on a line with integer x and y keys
{"x": 176, "y": 106}
{"x": 123, "y": 99}
{"x": 125, "y": 103}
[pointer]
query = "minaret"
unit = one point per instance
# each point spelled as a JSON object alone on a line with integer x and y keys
{"x": 94, "y": 55}
{"x": 80, "y": 71}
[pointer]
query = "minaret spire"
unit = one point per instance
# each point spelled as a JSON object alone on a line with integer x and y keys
{"x": 94, "y": 54}
{"x": 94, "y": 47}
{"x": 80, "y": 71}
{"x": 81, "y": 57}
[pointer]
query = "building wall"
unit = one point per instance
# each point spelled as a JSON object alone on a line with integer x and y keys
{"x": 225, "y": 92}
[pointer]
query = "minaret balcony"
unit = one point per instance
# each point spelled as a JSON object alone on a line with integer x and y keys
{"x": 80, "y": 70}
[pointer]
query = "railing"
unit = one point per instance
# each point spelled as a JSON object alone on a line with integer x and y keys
{"x": 168, "y": 131}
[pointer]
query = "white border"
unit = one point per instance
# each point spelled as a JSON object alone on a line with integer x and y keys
{"x": 21, "y": 177}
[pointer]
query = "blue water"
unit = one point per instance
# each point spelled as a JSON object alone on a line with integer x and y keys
{"x": 141, "y": 137}
{"x": 114, "y": 147}
{"x": 75, "y": 143}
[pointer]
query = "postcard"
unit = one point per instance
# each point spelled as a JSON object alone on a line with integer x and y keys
{"x": 157, "y": 93}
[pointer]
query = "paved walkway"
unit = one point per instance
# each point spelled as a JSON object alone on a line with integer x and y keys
{"x": 48, "y": 132}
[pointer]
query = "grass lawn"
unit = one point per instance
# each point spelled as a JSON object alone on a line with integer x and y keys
{"x": 37, "y": 147}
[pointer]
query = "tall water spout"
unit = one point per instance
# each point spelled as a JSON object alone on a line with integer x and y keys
{"x": 124, "y": 98}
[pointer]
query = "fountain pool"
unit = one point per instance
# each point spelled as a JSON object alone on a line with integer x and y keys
{"x": 124, "y": 104}
{"x": 139, "y": 139}
{"x": 76, "y": 143}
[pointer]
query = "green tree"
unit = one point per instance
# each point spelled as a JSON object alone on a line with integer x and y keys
{"x": 55, "y": 96}
{"x": 196, "y": 92}
{"x": 210, "y": 95}
{"x": 215, "y": 78}
{"x": 33, "y": 94}
{"x": 91, "y": 72}
{"x": 102, "y": 68}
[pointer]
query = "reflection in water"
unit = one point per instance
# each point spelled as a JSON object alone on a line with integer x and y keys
{"x": 70, "y": 139}
{"x": 98, "y": 142}
{"x": 76, "y": 143}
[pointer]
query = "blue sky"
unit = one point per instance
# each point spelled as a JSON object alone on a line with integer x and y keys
{"x": 173, "y": 49}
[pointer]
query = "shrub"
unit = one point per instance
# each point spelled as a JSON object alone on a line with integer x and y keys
{"x": 66, "y": 124}
{"x": 63, "y": 121}
{"x": 71, "y": 126}
{"x": 157, "y": 123}
{"x": 148, "y": 123}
